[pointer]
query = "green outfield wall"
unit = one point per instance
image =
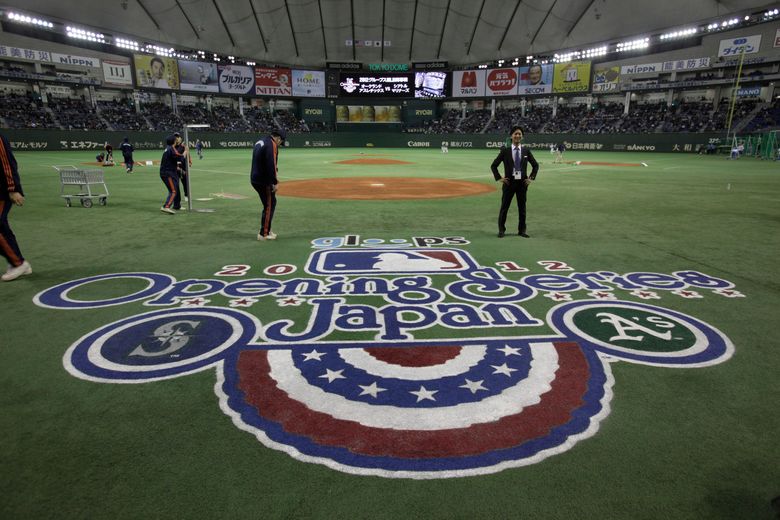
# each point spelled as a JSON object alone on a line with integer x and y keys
{"x": 56, "y": 140}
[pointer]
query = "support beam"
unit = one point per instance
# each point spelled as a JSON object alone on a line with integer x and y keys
{"x": 222, "y": 18}
{"x": 443, "y": 28}
{"x": 542, "y": 24}
{"x": 476, "y": 24}
{"x": 511, "y": 19}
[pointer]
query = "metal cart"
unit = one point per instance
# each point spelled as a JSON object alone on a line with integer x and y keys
{"x": 84, "y": 180}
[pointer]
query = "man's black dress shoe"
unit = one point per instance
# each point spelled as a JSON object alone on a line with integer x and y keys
{"x": 500, "y": 234}
{"x": 524, "y": 235}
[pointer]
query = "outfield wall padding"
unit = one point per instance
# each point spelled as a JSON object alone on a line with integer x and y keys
{"x": 57, "y": 140}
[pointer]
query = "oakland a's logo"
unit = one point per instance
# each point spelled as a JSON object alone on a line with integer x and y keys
{"x": 399, "y": 407}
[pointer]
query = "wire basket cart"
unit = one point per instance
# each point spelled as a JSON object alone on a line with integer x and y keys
{"x": 84, "y": 182}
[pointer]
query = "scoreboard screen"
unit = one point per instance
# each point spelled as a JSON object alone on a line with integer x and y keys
{"x": 431, "y": 84}
{"x": 376, "y": 84}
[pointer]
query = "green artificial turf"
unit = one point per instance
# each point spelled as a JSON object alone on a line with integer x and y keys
{"x": 682, "y": 443}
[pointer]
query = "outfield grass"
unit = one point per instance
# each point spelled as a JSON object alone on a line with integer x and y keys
{"x": 698, "y": 443}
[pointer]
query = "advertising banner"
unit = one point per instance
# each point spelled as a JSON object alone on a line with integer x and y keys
{"x": 156, "y": 72}
{"x": 667, "y": 66}
{"x": 606, "y": 79}
{"x": 6, "y": 51}
{"x": 368, "y": 114}
{"x": 535, "y": 79}
{"x": 308, "y": 83}
{"x": 82, "y": 61}
{"x": 117, "y": 73}
{"x": 501, "y": 82}
{"x": 689, "y": 64}
{"x": 199, "y": 76}
{"x": 749, "y": 92}
{"x": 468, "y": 83}
{"x": 272, "y": 82}
{"x": 366, "y": 84}
{"x": 736, "y": 46}
{"x": 316, "y": 110}
{"x": 571, "y": 77}
{"x": 236, "y": 79}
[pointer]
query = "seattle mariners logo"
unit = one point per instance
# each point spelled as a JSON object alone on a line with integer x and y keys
{"x": 384, "y": 401}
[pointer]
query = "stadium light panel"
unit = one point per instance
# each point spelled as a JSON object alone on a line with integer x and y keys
{"x": 641, "y": 43}
{"x": 20, "y": 18}
{"x": 124, "y": 43}
{"x": 82, "y": 34}
{"x": 682, "y": 33}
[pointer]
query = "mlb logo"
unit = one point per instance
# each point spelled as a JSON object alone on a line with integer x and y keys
{"x": 389, "y": 261}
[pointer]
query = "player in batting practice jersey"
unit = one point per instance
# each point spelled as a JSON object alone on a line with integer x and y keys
{"x": 10, "y": 193}
{"x": 127, "y": 154}
{"x": 264, "y": 178}
{"x": 169, "y": 173}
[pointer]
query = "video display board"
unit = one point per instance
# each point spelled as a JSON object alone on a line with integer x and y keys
{"x": 156, "y": 72}
{"x": 431, "y": 84}
{"x": 273, "y": 82}
{"x": 368, "y": 114}
{"x": 236, "y": 79}
{"x": 501, "y": 82}
{"x": 199, "y": 76}
{"x": 377, "y": 85}
{"x": 468, "y": 83}
{"x": 536, "y": 79}
{"x": 572, "y": 77}
{"x": 308, "y": 83}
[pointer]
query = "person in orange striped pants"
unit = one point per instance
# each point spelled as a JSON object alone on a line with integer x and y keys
{"x": 265, "y": 156}
{"x": 10, "y": 193}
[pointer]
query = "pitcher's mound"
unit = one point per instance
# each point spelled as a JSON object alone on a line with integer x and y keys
{"x": 372, "y": 161}
{"x": 382, "y": 188}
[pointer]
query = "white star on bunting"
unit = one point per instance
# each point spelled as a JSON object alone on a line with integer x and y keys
{"x": 504, "y": 369}
{"x": 424, "y": 393}
{"x": 371, "y": 389}
{"x": 308, "y": 356}
{"x": 473, "y": 385}
{"x": 509, "y": 351}
{"x": 332, "y": 375}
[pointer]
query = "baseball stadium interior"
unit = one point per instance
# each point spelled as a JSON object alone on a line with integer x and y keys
{"x": 462, "y": 68}
{"x": 523, "y": 264}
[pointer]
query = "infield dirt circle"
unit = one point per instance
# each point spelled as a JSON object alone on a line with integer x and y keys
{"x": 382, "y": 188}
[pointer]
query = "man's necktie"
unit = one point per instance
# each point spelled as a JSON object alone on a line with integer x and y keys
{"x": 517, "y": 159}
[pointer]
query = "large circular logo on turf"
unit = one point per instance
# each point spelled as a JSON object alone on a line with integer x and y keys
{"x": 159, "y": 344}
{"x": 642, "y": 333}
{"x": 343, "y": 370}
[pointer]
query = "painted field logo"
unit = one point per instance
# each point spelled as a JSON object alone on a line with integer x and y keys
{"x": 396, "y": 405}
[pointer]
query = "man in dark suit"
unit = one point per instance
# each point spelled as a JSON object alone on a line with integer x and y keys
{"x": 516, "y": 180}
